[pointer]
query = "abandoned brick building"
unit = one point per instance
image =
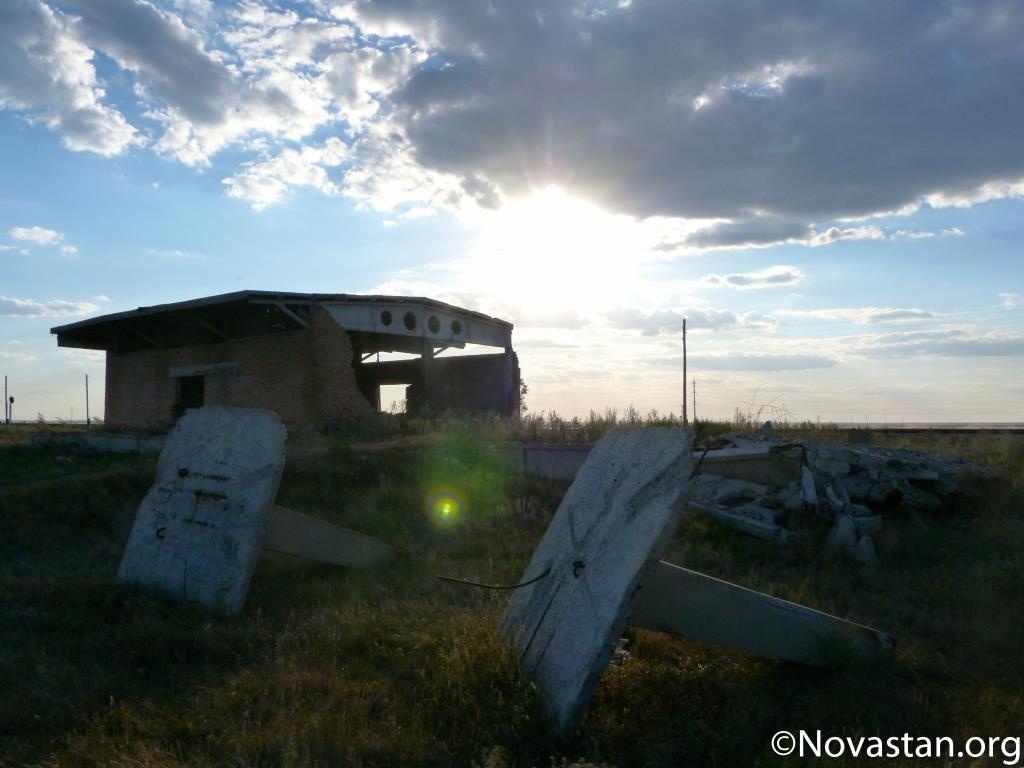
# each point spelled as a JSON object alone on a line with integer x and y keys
{"x": 312, "y": 358}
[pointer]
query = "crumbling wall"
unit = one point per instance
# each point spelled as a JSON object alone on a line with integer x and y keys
{"x": 305, "y": 376}
{"x": 475, "y": 384}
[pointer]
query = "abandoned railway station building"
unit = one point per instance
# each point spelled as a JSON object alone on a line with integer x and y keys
{"x": 312, "y": 358}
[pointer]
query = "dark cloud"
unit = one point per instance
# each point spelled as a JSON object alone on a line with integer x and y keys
{"x": 751, "y": 232}
{"x": 170, "y": 57}
{"x": 718, "y": 108}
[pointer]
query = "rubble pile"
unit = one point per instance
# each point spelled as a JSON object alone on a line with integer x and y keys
{"x": 851, "y": 486}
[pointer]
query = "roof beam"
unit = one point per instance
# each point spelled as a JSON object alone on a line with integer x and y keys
{"x": 281, "y": 306}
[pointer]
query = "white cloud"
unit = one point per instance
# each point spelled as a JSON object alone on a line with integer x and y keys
{"x": 17, "y": 357}
{"x": 770, "y": 277}
{"x": 37, "y": 235}
{"x": 862, "y": 315}
{"x": 46, "y": 72}
{"x": 1009, "y": 300}
{"x": 11, "y": 307}
{"x": 174, "y": 253}
{"x": 266, "y": 182}
{"x": 917, "y": 234}
{"x": 662, "y": 321}
{"x": 943, "y": 343}
{"x": 69, "y": 250}
{"x": 751, "y": 361}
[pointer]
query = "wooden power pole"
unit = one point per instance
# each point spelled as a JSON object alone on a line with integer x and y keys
{"x": 685, "y": 417}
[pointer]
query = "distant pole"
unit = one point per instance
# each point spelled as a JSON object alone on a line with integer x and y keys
{"x": 685, "y": 417}
{"x": 87, "y": 422}
{"x": 7, "y": 412}
{"x": 694, "y": 401}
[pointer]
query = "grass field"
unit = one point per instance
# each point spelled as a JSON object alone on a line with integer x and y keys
{"x": 385, "y": 667}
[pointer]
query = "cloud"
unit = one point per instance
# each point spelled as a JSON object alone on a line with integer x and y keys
{"x": 656, "y": 322}
{"x": 46, "y": 71}
{"x": 950, "y": 343}
{"x": 17, "y": 357}
{"x": 37, "y": 235}
{"x": 766, "y": 232}
{"x": 10, "y": 307}
{"x": 266, "y": 182}
{"x": 917, "y": 234}
{"x": 773, "y": 120}
{"x": 770, "y": 277}
{"x": 718, "y": 109}
{"x": 1009, "y": 300}
{"x": 749, "y": 361}
{"x": 862, "y": 315}
{"x": 175, "y": 254}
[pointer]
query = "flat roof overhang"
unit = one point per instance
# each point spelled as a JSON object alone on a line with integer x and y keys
{"x": 375, "y": 323}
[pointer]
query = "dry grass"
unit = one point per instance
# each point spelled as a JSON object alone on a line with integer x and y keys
{"x": 391, "y": 667}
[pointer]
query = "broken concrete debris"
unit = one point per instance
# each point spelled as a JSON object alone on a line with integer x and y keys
{"x": 597, "y": 569}
{"x": 853, "y": 486}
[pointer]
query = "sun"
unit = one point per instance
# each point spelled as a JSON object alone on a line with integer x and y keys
{"x": 548, "y": 250}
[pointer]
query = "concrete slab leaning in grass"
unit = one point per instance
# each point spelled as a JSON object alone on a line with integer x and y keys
{"x": 610, "y": 528}
{"x": 210, "y": 513}
{"x": 293, "y": 533}
{"x": 198, "y": 533}
{"x": 700, "y": 607}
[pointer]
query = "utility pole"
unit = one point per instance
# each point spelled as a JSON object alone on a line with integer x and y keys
{"x": 694, "y": 401}
{"x": 87, "y": 422}
{"x": 7, "y": 413}
{"x": 685, "y": 418}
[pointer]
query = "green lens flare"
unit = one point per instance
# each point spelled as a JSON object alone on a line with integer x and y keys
{"x": 444, "y": 507}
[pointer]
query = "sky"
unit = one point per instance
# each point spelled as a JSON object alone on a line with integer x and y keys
{"x": 831, "y": 193}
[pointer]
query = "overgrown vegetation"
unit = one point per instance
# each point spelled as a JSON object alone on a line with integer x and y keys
{"x": 392, "y": 667}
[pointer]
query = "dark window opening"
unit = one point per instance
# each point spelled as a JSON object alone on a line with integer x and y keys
{"x": 188, "y": 393}
{"x": 434, "y": 324}
{"x": 410, "y": 321}
{"x": 385, "y": 317}
{"x": 456, "y": 327}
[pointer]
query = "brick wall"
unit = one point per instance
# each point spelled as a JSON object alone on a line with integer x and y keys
{"x": 477, "y": 384}
{"x": 305, "y": 376}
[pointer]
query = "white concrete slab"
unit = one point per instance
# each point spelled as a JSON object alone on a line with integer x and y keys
{"x": 612, "y": 525}
{"x": 198, "y": 533}
{"x": 700, "y": 607}
{"x": 293, "y": 533}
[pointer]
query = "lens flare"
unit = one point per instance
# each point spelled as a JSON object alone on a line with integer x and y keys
{"x": 445, "y": 506}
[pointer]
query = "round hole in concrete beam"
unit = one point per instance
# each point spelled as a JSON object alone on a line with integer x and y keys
{"x": 433, "y": 324}
{"x": 410, "y": 321}
{"x": 456, "y": 327}
{"x": 385, "y": 317}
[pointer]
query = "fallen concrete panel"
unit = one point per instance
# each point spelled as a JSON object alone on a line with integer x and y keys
{"x": 765, "y": 466}
{"x": 699, "y": 607}
{"x": 742, "y": 522}
{"x": 197, "y": 534}
{"x": 762, "y": 464}
{"x": 101, "y": 442}
{"x": 612, "y": 525}
{"x": 293, "y": 533}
